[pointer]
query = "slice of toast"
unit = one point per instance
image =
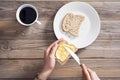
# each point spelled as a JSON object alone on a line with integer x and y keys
{"x": 61, "y": 54}
{"x": 71, "y": 23}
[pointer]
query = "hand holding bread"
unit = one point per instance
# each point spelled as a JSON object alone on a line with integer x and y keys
{"x": 49, "y": 60}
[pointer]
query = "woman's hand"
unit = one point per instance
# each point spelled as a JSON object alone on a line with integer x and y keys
{"x": 49, "y": 60}
{"x": 88, "y": 74}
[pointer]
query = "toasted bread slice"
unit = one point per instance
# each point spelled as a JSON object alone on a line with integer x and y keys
{"x": 71, "y": 23}
{"x": 61, "y": 54}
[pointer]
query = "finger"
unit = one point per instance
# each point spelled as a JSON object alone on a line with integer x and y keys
{"x": 61, "y": 40}
{"x": 93, "y": 74}
{"x": 54, "y": 43}
{"x": 53, "y": 50}
{"x": 49, "y": 48}
{"x": 84, "y": 68}
{"x": 96, "y": 76}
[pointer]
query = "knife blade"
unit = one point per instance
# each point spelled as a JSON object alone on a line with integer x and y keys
{"x": 76, "y": 58}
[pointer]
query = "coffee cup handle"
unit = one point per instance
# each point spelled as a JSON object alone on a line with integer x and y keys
{"x": 38, "y": 22}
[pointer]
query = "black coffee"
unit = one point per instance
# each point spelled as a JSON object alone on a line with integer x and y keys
{"x": 28, "y": 15}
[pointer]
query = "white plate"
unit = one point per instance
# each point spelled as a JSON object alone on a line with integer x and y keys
{"x": 89, "y": 29}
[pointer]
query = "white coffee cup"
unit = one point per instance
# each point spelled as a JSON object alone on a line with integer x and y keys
{"x": 18, "y": 14}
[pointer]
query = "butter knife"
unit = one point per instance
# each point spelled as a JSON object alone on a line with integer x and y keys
{"x": 76, "y": 58}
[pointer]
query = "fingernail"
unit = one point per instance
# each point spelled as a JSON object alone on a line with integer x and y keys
{"x": 83, "y": 64}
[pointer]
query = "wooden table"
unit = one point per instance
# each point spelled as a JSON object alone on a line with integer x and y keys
{"x": 22, "y": 48}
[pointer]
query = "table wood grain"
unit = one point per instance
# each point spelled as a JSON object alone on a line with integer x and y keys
{"x": 22, "y": 48}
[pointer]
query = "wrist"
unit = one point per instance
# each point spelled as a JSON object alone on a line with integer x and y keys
{"x": 44, "y": 74}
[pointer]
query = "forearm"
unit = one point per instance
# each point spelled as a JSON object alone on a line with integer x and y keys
{"x": 49, "y": 61}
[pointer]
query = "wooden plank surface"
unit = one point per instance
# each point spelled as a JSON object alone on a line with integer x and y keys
{"x": 22, "y": 48}
{"x": 28, "y": 68}
{"x": 69, "y": 0}
{"x": 109, "y": 31}
{"x": 108, "y": 42}
{"x": 105, "y": 10}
